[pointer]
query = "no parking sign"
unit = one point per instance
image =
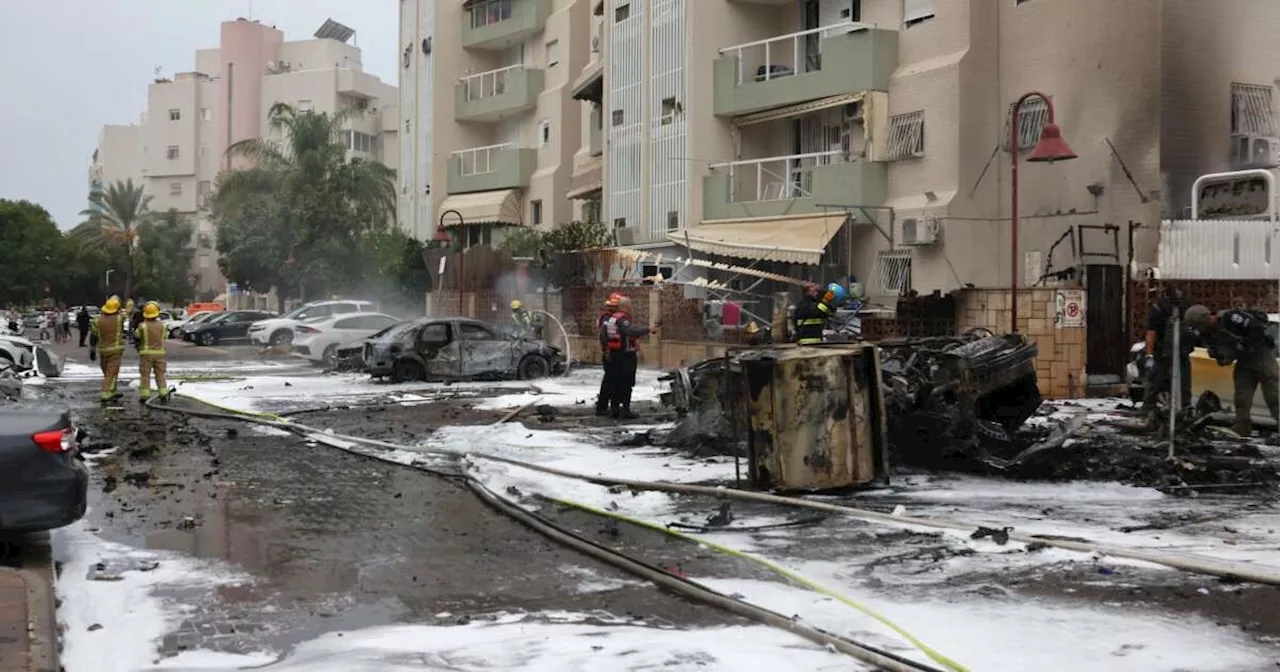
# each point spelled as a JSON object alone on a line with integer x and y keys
{"x": 1070, "y": 309}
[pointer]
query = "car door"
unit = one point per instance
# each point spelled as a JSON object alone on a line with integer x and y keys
{"x": 436, "y": 344}
{"x": 236, "y": 325}
{"x": 484, "y": 351}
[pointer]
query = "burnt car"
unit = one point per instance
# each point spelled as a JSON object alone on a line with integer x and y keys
{"x": 455, "y": 348}
{"x": 43, "y": 481}
{"x": 350, "y": 356}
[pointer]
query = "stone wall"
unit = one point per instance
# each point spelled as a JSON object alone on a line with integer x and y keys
{"x": 1060, "y": 366}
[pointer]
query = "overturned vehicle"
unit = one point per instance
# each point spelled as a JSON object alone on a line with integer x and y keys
{"x": 946, "y": 401}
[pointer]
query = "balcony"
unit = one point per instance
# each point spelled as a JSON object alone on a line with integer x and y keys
{"x": 595, "y": 134}
{"x": 791, "y": 185}
{"x": 496, "y": 94}
{"x": 493, "y": 167}
{"x": 498, "y": 24}
{"x": 787, "y": 70}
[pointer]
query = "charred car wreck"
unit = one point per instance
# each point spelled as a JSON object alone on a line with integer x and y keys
{"x": 948, "y": 401}
{"x": 449, "y": 349}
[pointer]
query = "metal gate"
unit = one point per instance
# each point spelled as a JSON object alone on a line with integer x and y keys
{"x": 1104, "y": 320}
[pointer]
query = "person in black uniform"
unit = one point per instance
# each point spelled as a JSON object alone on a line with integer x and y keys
{"x": 606, "y": 382}
{"x": 811, "y": 317}
{"x": 618, "y": 336}
{"x": 1245, "y": 337}
{"x": 1160, "y": 356}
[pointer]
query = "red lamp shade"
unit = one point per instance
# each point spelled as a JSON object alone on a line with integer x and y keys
{"x": 1051, "y": 146}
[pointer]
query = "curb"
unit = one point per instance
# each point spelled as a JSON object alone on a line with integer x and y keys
{"x": 42, "y": 622}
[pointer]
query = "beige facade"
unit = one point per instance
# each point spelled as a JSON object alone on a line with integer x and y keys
{"x": 192, "y": 117}
{"x": 490, "y": 123}
{"x": 775, "y": 118}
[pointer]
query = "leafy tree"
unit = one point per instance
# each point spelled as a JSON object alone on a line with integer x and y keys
{"x": 164, "y": 247}
{"x": 114, "y": 216}
{"x": 324, "y": 204}
{"x": 395, "y": 266}
{"x": 34, "y": 253}
{"x": 554, "y": 248}
{"x": 253, "y": 240}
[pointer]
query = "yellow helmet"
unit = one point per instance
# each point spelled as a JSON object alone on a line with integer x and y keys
{"x": 752, "y": 327}
{"x": 516, "y": 305}
{"x": 111, "y": 307}
{"x": 151, "y": 311}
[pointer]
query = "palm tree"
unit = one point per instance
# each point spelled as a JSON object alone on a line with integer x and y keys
{"x": 114, "y": 215}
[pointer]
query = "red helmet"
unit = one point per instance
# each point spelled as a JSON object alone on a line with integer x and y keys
{"x": 613, "y": 300}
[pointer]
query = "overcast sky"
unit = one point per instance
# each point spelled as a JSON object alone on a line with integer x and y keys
{"x": 67, "y": 67}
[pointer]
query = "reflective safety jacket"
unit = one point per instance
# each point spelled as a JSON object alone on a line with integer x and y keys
{"x": 618, "y": 334}
{"x": 108, "y": 331}
{"x": 811, "y": 319}
{"x": 150, "y": 336}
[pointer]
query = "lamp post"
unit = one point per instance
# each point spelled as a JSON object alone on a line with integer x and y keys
{"x": 108, "y": 286}
{"x": 1050, "y": 148}
{"x": 462, "y": 257}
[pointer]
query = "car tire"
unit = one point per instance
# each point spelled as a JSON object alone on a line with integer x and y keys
{"x": 280, "y": 337}
{"x": 330, "y": 357}
{"x": 533, "y": 367}
{"x": 208, "y": 338}
{"x": 407, "y": 370}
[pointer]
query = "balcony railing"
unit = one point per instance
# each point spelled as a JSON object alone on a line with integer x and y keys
{"x": 488, "y": 83}
{"x": 786, "y": 55}
{"x": 478, "y": 160}
{"x": 775, "y": 178}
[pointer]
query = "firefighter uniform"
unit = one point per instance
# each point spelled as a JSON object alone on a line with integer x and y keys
{"x": 107, "y": 339}
{"x": 811, "y": 317}
{"x": 150, "y": 337}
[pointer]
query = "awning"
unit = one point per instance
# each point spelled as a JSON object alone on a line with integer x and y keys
{"x": 484, "y": 207}
{"x": 590, "y": 84}
{"x": 798, "y": 109}
{"x": 797, "y": 239}
{"x": 585, "y": 191}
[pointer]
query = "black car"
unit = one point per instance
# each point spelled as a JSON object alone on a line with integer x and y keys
{"x": 225, "y": 327}
{"x": 42, "y": 478}
{"x": 457, "y": 348}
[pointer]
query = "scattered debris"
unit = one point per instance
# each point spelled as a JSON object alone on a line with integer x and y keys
{"x": 1000, "y": 536}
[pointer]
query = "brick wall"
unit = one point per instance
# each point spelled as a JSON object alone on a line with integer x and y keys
{"x": 1060, "y": 367}
{"x": 1213, "y": 294}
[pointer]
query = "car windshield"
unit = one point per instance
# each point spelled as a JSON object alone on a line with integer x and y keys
{"x": 217, "y": 318}
{"x": 293, "y": 314}
{"x": 402, "y": 330}
{"x": 384, "y": 332}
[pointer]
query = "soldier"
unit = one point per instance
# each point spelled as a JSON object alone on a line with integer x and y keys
{"x": 150, "y": 337}
{"x": 1247, "y": 338}
{"x": 107, "y": 341}
{"x": 1160, "y": 356}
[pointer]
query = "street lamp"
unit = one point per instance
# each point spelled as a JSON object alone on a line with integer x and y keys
{"x": 462, "y": 258}
{"x": 1050, "y": 148}
{"x": 109, "y": 272}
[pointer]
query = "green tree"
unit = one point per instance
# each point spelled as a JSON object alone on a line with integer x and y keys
{"x": 114, "y": 215}
{"x": 396, "y": 271}
{"x": 321, "y": 205}
{"x": 33, "y": 252}
{"x": 164, "y": 248}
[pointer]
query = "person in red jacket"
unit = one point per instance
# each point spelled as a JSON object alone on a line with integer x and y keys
{"x": 606, "y": 383}
{"x": 618, "y": 336}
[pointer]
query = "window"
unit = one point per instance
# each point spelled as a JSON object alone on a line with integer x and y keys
{"x": 916, "y": 11}
{"x": 175, "y": 188}
{"x": 206, "y": 114}
{"x": 349, "y": 323}
{"x": 620, "y": 222}
{"x": 437, "y": 334}
{"x": 1031, "y": 120}
{"x": 670, "y": 108}
{"x": 673, "y": 220}
{"x": 622, "y": 13}
{"x": 1252, "y": 110}
{"x": 490, "y": 12}
{"x": 618, "y": 117}
{"x": 172, "y": 152}
{"x": 203, "y": 151}
{"x": 649, "y": 271}
{"x": 536, "y": 208}
{"x": 906, "y": 136}
{"x": 553, "y": 53}
{"x": 544, "y": 132}
{"x": 377, "y": 321}
{"x": 344, "y": 308}
{"x": 175, "y": 114}
{"x": 305, "y": 105}
{"x": 203, "y": 189}
{"x": 891, "y": 274}
{"x": 591, "y": 210}
{"x": 361, "y": 142}
{"x": 468, "y": 331}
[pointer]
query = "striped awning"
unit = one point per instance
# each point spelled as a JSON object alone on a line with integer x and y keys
{"x": 503, "y": 206}
{"x": 796, "y": 239}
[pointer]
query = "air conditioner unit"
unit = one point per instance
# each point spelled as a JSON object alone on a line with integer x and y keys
{"x": 626, "y": 235}
{"x": 1250, "y": 150}
{"x": 920, "y": 231}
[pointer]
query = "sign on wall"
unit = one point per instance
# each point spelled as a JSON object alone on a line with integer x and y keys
{"x": 1070, "y": 309}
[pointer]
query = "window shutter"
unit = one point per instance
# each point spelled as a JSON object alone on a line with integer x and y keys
{"x": 915, "y": 10}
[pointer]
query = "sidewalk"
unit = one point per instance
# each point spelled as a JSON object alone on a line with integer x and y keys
{"x": 28, "y": 624}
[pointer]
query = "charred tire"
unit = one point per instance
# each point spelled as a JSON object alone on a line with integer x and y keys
{"x": 533, "y": 367}
{"x": 330, "y": 357}
{"x": 281, "y": 337}
{"x": 207, "y": 338}
{"x": 407, "y": 370}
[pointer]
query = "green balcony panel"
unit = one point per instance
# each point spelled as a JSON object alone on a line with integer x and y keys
{"x": 490, "y": 169}
{"x": 497, "y": 94}
{"x": 503, "y": 22}
{"x": 862, "y": 60}
{"x": 846, "y": 183}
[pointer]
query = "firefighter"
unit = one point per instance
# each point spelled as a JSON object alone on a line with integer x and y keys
{"x": 754, "y": 336}
{"x": 528, "y": 326}
{"x": 1160, "y": 356}
{"x": 814, "y": 310}
{"x": 150, "y": 337}
{"x": 1245, "y": 337}
{"x": 106, "y": 342}
{"x": 618, "y": 337}
{"x": 606, "y": 383}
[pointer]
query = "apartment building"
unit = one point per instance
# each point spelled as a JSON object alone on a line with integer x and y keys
{"x": 874, "y": 135}
{"x": 179, "y": 145}
{"x": 490, "y": 124}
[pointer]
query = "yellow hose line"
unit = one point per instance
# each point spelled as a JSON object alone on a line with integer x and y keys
{"x": 933, "y": 654}
{"x": 228, "y": 409}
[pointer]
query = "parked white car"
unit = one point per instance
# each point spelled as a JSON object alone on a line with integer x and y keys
{"x": 318, "y": 339}
{"x": 17, "y": 352}
{"x": 174, "y": 326}
{"x": 279, "y": 330}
